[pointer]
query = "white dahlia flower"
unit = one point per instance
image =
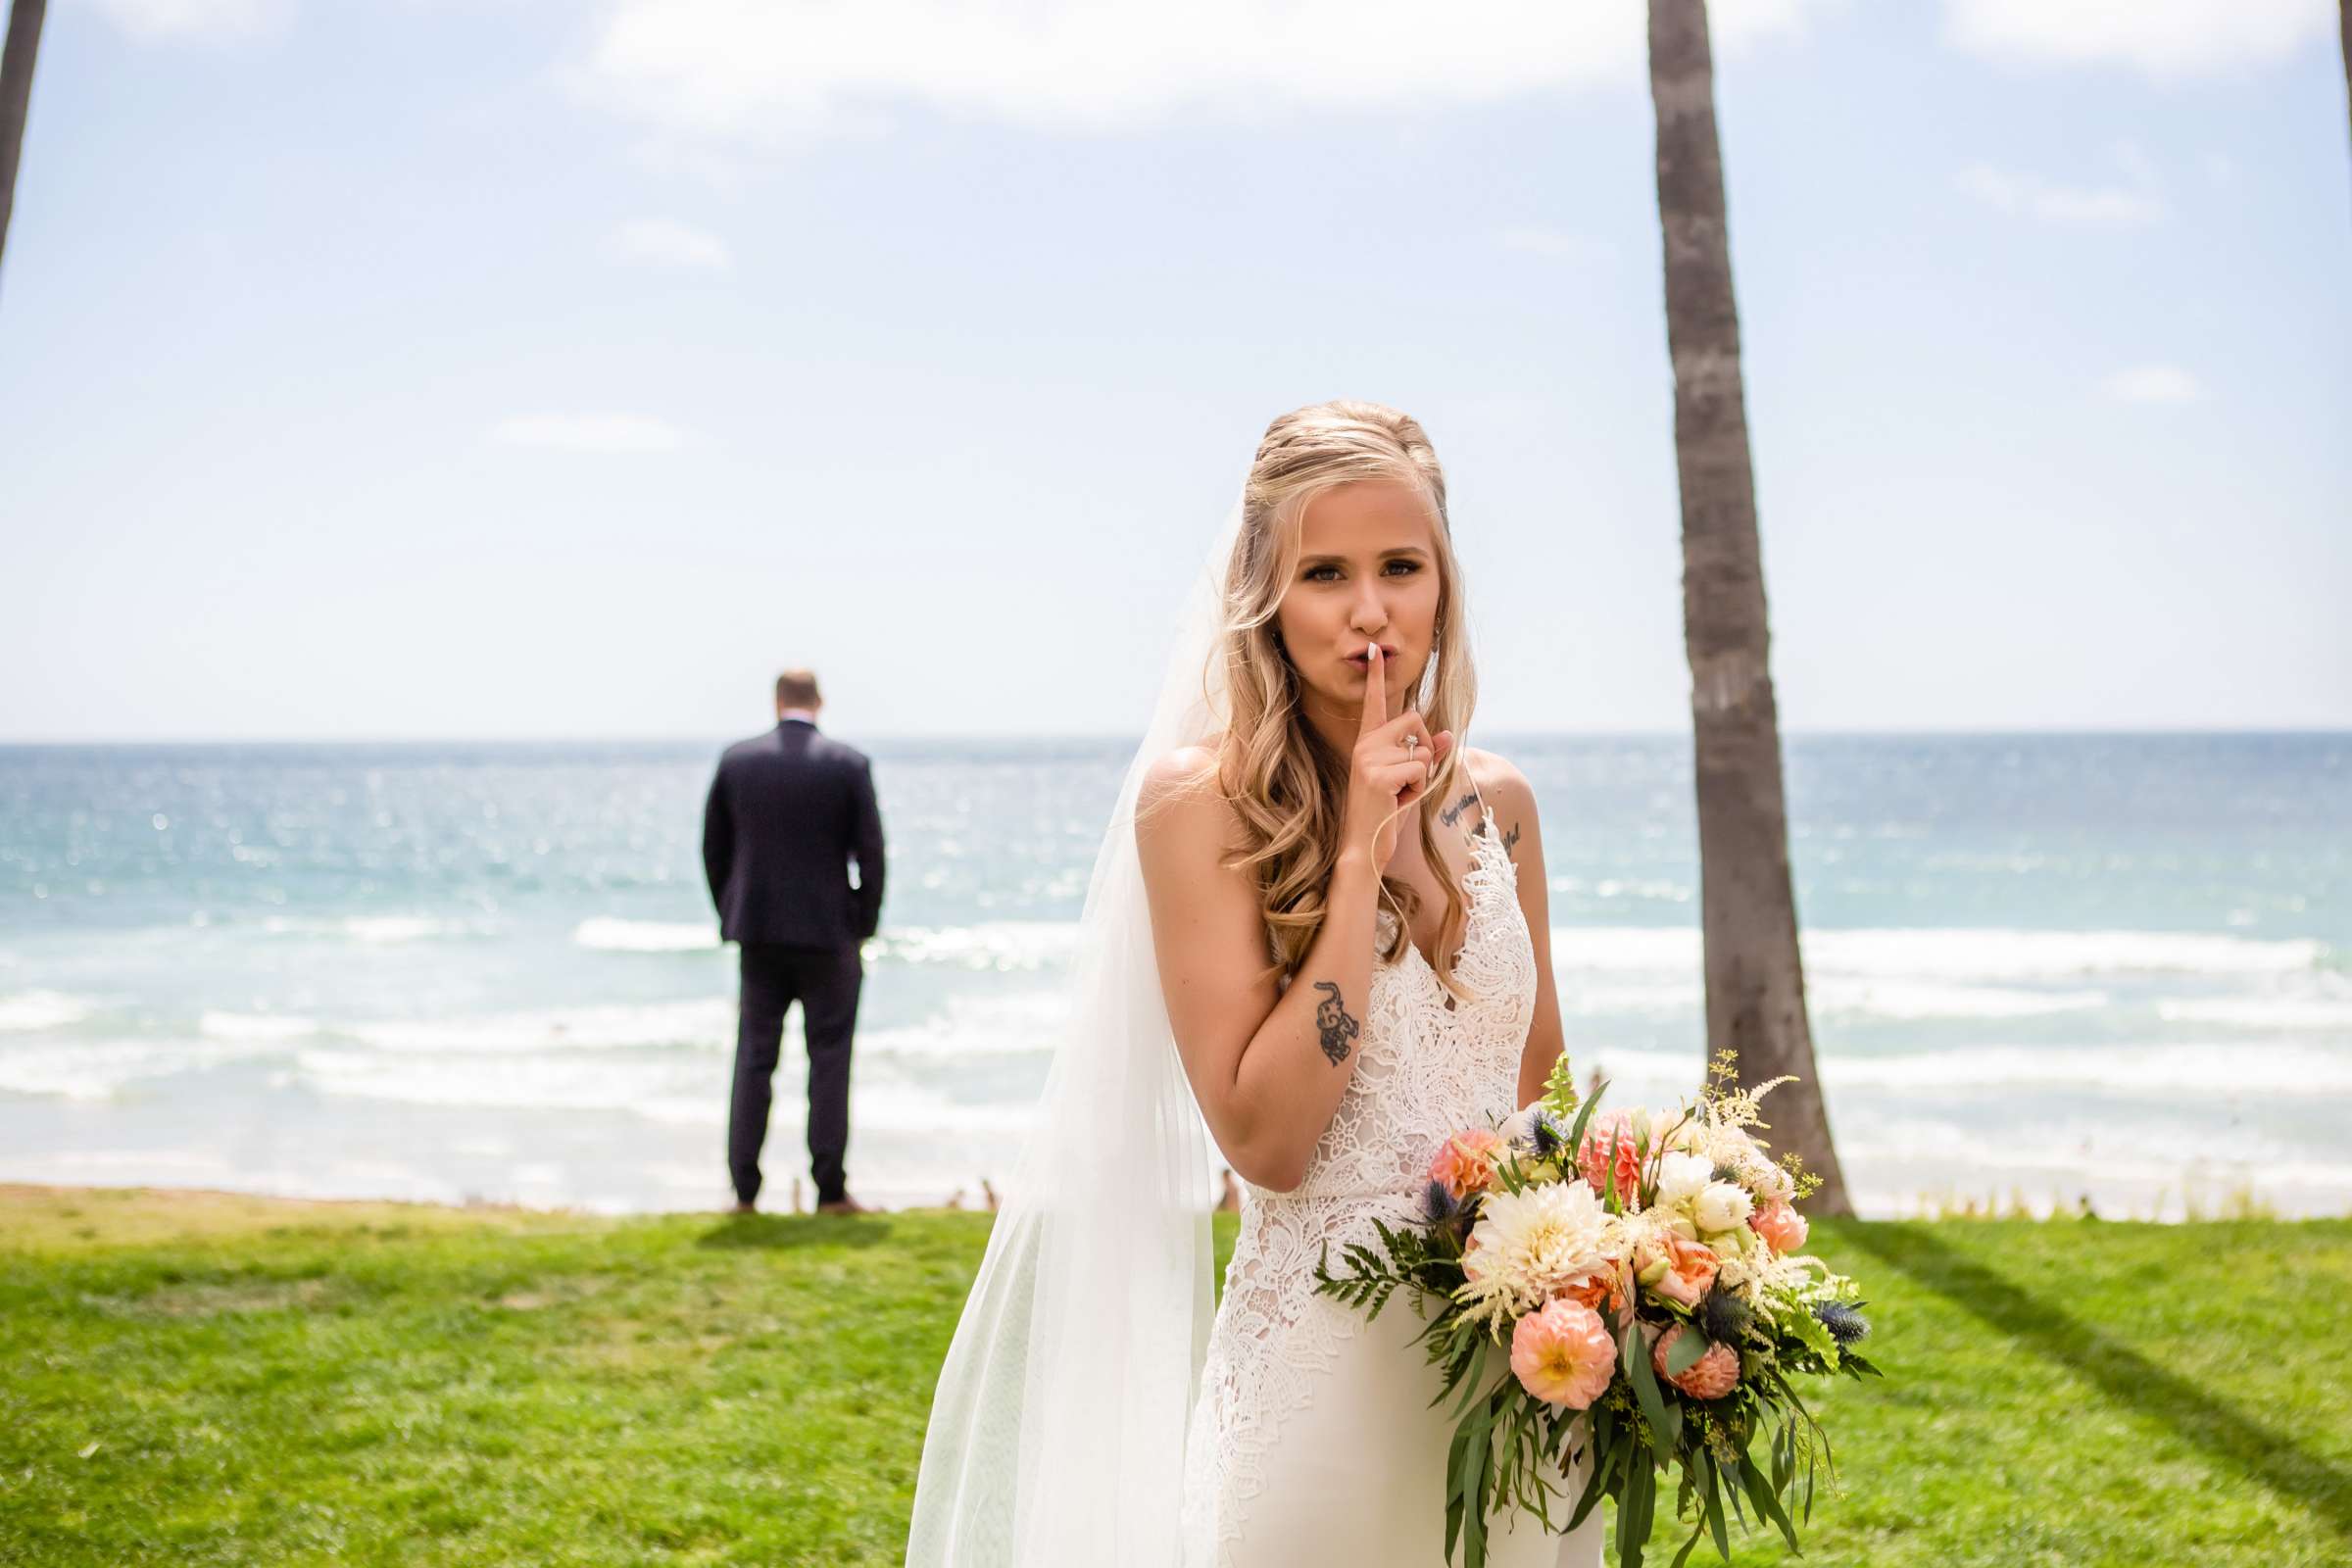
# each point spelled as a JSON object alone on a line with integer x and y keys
{"x": 1533, "y": 1242}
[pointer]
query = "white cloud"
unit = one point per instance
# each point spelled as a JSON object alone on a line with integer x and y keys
{"x": 589, "y": 432}
{"x": 2163, "y": 38}
{"x": 2153, "y": 383}
{"x": 156, "y": 19}
{"x": 668, "y": 243}
{"x": 2135, "y": 203}
{"x": 773, "y": 72}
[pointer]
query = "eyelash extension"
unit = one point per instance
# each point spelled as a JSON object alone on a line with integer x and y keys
{"x": 1411, "y": 567}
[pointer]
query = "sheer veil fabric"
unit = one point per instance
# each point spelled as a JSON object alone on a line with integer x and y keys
{"x": 1057, "y": 1428}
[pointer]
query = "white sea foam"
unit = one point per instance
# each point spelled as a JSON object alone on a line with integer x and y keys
{"x": 2130, "y": 1071}
{"x": 255, "y": 1026}
{"x": 673, "y": 1091}
{"x": 2100, "y": 1157}
{"x": 1581, "y": 999}
{"x": 185, "y": 1167}
{"x": 1930, "y": 998}
{"x": 967, "y": 1026}
{"x": 1836, "y": 996}
{"x": 611, "y": 935}
{"x": 377, "y": 929}
{"x": 1955, "y": 953}
{"x": 329, "y": 1177}
{"x": 900, "y": 1107}
{"x": 1000, "y": 945}
{"x": 2263, "y": 1012}
{"x": 40, "y": 1009}
{"x": 521, "y": 1082}
{"x": 1949, "y": 954}
{"x": 2008, "y": 954}
{"x": 706, "y": 1021}
{"x": 99, "y": 1069}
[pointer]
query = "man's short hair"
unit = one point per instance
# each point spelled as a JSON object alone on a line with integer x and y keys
{"x": 797, "y": 688}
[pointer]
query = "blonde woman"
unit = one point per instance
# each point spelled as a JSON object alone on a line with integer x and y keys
{"x": 1318, "y": 927}
{"x": 1395, "y": 879}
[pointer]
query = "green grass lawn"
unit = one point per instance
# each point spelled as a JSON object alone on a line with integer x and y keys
{"x": 192, "y": 1378}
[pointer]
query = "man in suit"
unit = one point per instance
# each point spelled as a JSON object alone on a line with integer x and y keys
{"x": 787, "y": 814}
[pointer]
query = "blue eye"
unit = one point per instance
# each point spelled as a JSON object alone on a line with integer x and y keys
{"x": 1313, "y": 573}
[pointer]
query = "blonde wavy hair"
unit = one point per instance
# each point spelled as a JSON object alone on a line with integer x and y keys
{"x": 1283, "y": 781}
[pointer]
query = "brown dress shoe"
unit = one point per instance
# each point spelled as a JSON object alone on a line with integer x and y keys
{"x": 843, "y": 1205}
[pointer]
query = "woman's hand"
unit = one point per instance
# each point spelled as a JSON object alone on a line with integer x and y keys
{"x": 1385, "y": 780}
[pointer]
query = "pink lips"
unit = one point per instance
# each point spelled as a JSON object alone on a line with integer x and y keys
{"x": 1362, "y": 661}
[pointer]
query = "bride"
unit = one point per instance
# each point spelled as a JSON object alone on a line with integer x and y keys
{"x": 1319, "y": 925}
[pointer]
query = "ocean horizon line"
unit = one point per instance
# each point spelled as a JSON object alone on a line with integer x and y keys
{"x": 1109, "y": 737}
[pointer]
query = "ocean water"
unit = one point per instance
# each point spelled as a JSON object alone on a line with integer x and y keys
{"x": 2040, "y": 968}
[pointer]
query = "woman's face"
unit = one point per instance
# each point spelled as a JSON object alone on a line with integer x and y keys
{"x": 1367, "y": 571}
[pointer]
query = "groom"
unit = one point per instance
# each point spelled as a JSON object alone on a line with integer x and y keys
{"x": 787, "y": 814}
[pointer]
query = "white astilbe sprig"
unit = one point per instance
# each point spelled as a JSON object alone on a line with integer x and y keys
{"x": 1757, "y": 1271}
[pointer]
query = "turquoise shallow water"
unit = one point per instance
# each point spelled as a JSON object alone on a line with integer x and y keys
{"x": 2047, "y": 966}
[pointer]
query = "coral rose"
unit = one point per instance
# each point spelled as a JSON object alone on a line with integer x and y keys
{"x": 1563, "y": 1354}
{"x": 1682, "y": 1269}
{"x": 1465, "y": 1162}
{"x": 1609, "y": 1144}
{"x": 1596, "y": 1289}
{"x": 1782, "y": 1228}
{"x": 1710, "y": 1377}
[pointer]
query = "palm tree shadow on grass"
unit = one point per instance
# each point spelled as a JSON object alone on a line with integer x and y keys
{"x": 2121, "y": 1373}
{"x": 795, "y": 1230}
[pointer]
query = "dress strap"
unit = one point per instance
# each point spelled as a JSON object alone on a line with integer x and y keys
{"x": 1482, "y": 799}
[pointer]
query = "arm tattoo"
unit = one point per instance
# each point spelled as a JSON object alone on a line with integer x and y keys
{"x": 1453, "y": 814}
{"x": 1510, "y": 840}
{"x": 1333, "y": 1024}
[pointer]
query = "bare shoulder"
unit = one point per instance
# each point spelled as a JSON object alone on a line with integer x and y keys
{"x": 1186, "y": 772}
{"x": 1500, "y": 780}
{"x": 1179, "y": 798}
{"x": 1509, "y": 796}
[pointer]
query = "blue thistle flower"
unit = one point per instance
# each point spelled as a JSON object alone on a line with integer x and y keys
{"x": 1439, "y": 1205}
{"x": 1844, "y": 1321}
{"x": 1545, "y": 1132}
{"x": 1724, "y": 1317}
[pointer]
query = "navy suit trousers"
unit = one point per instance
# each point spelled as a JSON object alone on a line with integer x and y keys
{"x": 825, "y": 982}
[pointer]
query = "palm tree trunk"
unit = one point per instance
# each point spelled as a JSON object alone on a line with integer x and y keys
{"x": 1755, "y": 978}
{"x": 15, "y": 97}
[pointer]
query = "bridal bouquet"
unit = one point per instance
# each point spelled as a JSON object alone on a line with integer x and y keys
{"x": 1646, "y": 1274}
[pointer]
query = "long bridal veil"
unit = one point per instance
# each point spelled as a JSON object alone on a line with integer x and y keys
{"x": 1057, "y": 1429}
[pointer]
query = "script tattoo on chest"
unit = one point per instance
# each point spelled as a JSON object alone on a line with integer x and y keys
{"x": 1334, "y": 1028}
{"x": 1453, "y": 814}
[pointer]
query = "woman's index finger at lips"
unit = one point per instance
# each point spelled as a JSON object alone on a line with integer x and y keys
{"x": 1376, "y": 699}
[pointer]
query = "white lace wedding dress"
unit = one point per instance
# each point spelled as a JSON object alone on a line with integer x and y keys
{"x": 1313, "y": 1439}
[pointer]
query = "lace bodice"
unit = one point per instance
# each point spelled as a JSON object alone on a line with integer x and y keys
{"x": 1428, "y": 1068}
{"x": 1430, "y": 1065}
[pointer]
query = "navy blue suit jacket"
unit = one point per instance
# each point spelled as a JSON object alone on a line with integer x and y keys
{"x": 789, "y": 812}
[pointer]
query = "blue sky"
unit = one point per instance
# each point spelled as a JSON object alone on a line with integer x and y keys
{"x": 515, "y": 367}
